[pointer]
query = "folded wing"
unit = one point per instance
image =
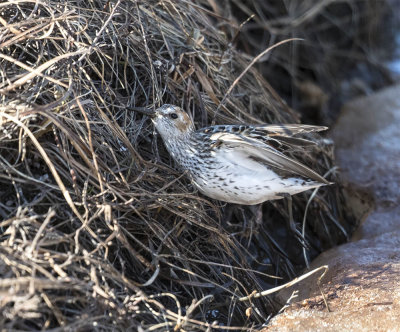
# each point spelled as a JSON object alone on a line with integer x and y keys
{"x": 284, "y": 133}
{"x": 261, "y": 151}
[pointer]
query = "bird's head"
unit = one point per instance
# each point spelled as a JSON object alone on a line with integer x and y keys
{"x": 171, "y": 121}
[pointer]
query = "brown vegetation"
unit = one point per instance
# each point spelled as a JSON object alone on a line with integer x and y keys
{"x": 99, "y": 230}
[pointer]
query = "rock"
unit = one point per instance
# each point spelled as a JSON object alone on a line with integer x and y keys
{"x": 362, "y": 286}
{"x": 367, "y": 138}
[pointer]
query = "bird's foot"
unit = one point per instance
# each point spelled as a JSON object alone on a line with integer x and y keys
{"x": 292, "y": 225}
{"x": 298, "y": 235}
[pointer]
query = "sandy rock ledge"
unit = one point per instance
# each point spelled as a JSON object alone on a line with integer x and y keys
{"x": 362, "y": 285}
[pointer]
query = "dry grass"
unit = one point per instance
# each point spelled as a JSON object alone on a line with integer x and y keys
{"x": 99, "y": 230}
{"x": 343, "y": 54}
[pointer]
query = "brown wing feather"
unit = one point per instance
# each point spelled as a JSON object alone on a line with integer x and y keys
{"x": 256, "y": 149}
{"x": 289, "y": 129}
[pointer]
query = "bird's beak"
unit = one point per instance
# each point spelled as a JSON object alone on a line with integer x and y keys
{"x": 148, "y": 111}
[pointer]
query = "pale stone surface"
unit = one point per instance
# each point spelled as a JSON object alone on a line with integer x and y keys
{"x": 362, "y": 285}
{"x": 367, "y": 138}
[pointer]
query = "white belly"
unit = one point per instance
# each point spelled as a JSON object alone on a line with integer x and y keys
{"x": 248, "y": 182}
{"x": 252, "y": 190}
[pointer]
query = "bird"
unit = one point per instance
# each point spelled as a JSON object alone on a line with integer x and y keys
{"x": 238, "y": 163}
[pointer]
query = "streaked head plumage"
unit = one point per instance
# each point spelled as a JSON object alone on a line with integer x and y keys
{"x": 171, "y": 121}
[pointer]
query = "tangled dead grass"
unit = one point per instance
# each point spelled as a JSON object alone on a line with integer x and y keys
{"x": 342, "y": 55}
{"x": 99, "y": 230}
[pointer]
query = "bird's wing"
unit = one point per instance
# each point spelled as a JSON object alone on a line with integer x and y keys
{"x": 276, "y": 135}
{"x": 283, "y": 133}
{"x": 267, "y": 129}
{"x": 258, "y": 150}
{"x": 289, "y": 129}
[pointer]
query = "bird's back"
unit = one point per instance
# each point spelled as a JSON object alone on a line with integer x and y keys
{"x": 246, "y": 165}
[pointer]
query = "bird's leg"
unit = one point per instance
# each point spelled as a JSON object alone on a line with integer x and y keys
{"x": 258, "y": 214}
{"x": 292, "y": 224}
{"x": 228, "y": 213}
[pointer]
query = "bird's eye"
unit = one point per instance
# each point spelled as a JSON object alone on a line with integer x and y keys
{"x": 173, "y": 116}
